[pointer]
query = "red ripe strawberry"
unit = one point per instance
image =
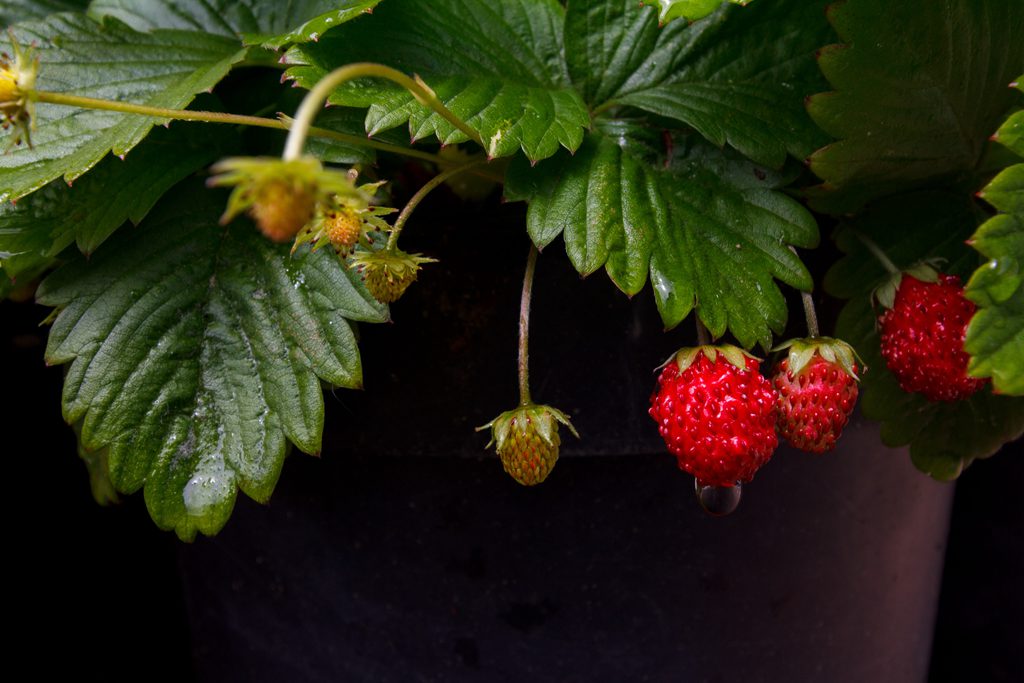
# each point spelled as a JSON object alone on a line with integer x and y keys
{"x": 716, "y": 413}
{"x": 923, "y": 336}
{"x": 817, "y": 385}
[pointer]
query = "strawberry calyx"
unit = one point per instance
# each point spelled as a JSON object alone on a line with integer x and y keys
{"x": 925, "y": 271}
{"x": 685, "y": 357}
{"x": 543, "y": 419}
{"x": 802, "y": 351}
{"x": 527, "y": 442}
{"x": 387, "y": 273}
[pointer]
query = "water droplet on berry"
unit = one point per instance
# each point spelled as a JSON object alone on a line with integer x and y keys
{"x": 718, "y": 501}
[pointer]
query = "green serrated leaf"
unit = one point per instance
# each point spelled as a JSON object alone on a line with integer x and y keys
{"x": 708, "y": 240}
{"x": 108, "y": 61}
{"x": 1006, "y": 191}
{"x": 1011, "y": 134}
{"x": 257, "y": 22}
{"x": 196, "y": 353}
{"x": 15, "y": 11}
{"x": 691, "y": 10}
{"x": 38, "y": 228}
{"x": 739, "y": 77}
{"x": 498, "y": 66}
{"x": 995, "y": 337}
{"x": 916, "y": 96}
{"x": 944, "y": 437}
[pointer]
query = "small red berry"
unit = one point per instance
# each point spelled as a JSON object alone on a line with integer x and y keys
{"x": 817, "y": 385}
{"x": 923, "y": 338}
{"x": 716, "y": 413}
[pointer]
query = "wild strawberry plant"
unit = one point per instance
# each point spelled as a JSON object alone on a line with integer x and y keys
{"x": 693, "y": 147}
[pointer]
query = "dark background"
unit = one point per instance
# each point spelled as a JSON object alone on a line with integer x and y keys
{"x": 98, "y": 590}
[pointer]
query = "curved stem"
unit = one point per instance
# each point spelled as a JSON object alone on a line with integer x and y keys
{"x": 876, "y": 251}
{"x": 314, "y": 101}
{"x": 285, "y": 123}
{"x": 810, "y": 314}
{"x": 421, "y": 194}
{"x": 703, "y": 338}
{"x": 524, "y": 328}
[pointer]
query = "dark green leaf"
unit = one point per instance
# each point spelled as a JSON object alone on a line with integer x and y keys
{"x": 109, "y": 61}
{"x": 943, "y": 437}
{"x": 196, "y": 353}
{"x": 739, "y": 77}
{"x": 919, "y": 87}
{"x": 711, "y": 232}
{"x": 257, "y": 22}
{"x": 38, "y": 228}
{"x": 1011, "y": 133}
{"x": 1006, "y": 191}
{"x": 995, "y": 337}
{"x": 15, "y": 11}
{"x": 497, "y": 65}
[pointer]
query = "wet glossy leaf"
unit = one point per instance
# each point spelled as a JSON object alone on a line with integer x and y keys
{"x": 38, "y": 228}
{"x": 109, "y": 61}
{"x": 497, "y": 65}
{"x": 196, "y": 354}
{"x": 710, "y": 230}
{"x": 257, "y": 22}
{"x": 738, "y": 77}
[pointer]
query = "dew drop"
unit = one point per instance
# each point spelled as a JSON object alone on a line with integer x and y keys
{"x": 718, "y": 501}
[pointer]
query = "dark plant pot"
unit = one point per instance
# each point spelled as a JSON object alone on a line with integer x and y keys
{"x": 405, "y": 553}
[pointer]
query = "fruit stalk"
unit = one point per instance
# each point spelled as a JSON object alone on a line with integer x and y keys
{"x": 232, "y": 119}
{"x": 810, "y": 314}
{"x": 876, "y": 251}
{"x": 524, "y": 328}
{"x": 427, "y": 188}
{"x": 703, "y": 338}
{"x": 313, "y": 103}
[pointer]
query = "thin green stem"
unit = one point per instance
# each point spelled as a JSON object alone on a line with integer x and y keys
{"x": 703, "y": 337}
{"x": 421, "y": 194}
{"x": 285, "y": 123}
{"x": 810, "y": 314}
{"x": 159, "y": 112}
{"x": 876, "y": 251}
{"x": 524, "y": 328}
{"x": 315, "y": 98}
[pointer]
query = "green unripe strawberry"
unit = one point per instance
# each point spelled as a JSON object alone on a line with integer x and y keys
{"x": 527, "y": 441}
{"x": 389, "y": 272}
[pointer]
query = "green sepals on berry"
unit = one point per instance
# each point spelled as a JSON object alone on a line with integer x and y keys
{"x": 17, "y": 81}
{"x": 925, "y": 271}
{"x": 817, "y": 387}
{"x": 345, "y": 222}
{"x": 684, "y": 357}
{"x": 282, "y": 197}
{"x": 527, "y": 442}
{"x": 835, "y": 351}
{"x": 389, "y": 272}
